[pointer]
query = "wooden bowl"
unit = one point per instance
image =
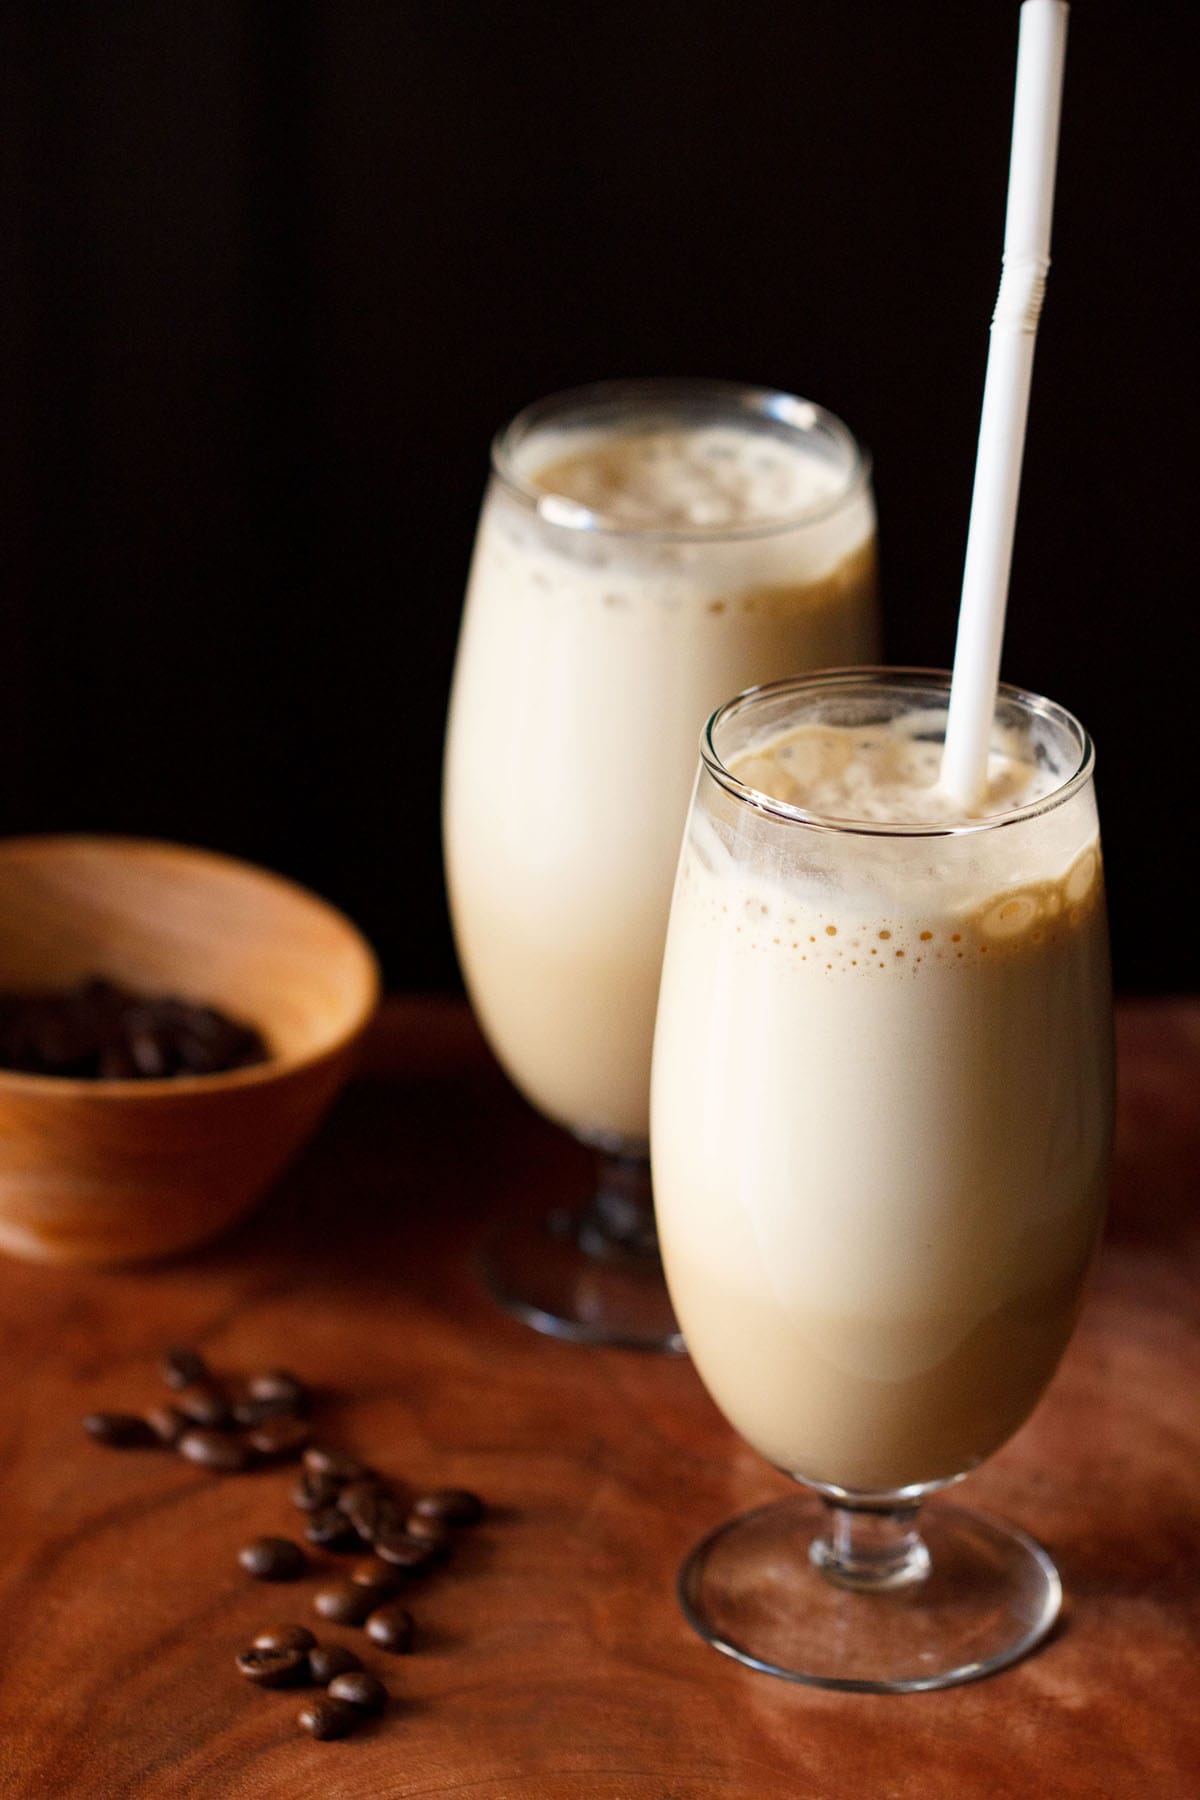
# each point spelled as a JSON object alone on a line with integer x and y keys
{"x": 102, "y": 1171}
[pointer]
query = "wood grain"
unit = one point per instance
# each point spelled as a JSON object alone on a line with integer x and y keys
{"x": 554, "y": 1664}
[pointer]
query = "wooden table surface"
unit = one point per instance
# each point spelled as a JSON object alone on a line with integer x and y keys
{"x": 554, "y": 1663}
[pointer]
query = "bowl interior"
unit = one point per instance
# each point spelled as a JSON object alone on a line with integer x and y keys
{"x": 164, "y": 919}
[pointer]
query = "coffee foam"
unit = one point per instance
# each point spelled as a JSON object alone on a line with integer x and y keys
{"x": 885, "y": 774}
{"x": 706, "y": 477}
{"x": 844, "y": 938}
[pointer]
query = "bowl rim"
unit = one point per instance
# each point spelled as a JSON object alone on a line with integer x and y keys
{"x": 35, "y": 845}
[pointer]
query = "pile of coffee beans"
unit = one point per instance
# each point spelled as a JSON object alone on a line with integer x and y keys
{"x": 394, "y": 1538}
{"x": 101, "y": 1032}
{"x": 394, "y": 1535}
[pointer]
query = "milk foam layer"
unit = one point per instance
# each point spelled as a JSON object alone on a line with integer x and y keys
{"x": 881, "y": 1115}
{"x": 885, "y": 774}
{"x": 707, "y": 477}
{"x": 588, "y": 663}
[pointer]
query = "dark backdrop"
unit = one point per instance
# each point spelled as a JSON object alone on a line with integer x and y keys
{"x": 275, "y": 273}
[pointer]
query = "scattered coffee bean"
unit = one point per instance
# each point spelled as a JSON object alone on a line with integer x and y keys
{"x": 435, "y": 1532}
{"x": 345, "y": 1602}
{"x": 360, "y": 1689}
{"x": 272, "y": 1559}
{"x": 282, "y": 1389}
{"x": 278, "y": 1440}
{"x": 363, "y": 1491}
{"x": 269, "y": 1667}
{"x": 168, "y": 1424}
{"x": 375, "y": 1594}
{"x": 326, "y": 1718}
{"x": 456, "y": 1506}
{"x": 371, "y": 1508}
{"x": 121, "y": 1431}
{"x": 378, "y": 1575}
{"x": 332, "y": 1530}
{"x": 314, "y": 1493}
{"x": 322, "y": 1459}
{"x": 183, "y": 1367}
{"x": 215, "y": 1450}
{"x": 328, "y": 1661}
{"x": 285, "y": 1637}
{"x": 246, "y": 1412}
{"x": 205, "y": 1403}
{"x": 404, "y": 1553}
{"x": 391, "y": 1627}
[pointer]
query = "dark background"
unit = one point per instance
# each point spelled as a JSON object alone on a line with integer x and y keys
{"x": 274, "y": 274}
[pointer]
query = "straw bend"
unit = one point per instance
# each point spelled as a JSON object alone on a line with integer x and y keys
{"x": 1022, "y": 290}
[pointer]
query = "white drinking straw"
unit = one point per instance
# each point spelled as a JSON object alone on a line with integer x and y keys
{"x": 1041, "y": 49}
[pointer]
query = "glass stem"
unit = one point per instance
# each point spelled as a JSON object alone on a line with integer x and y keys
{"x": 619, "y": 1222}
{"x": 871, "y": 1546}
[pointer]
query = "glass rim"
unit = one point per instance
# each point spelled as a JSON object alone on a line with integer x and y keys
{"x": 645, "y": 393}
{"x": 881, "y": 677}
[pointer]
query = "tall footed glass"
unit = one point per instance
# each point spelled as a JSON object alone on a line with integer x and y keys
{"x": 881, "y": 1121}
{"x": 644, "y": 549}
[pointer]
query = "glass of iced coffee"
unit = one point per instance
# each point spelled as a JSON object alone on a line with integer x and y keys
{"x": 645, "y": 548}
{"x": 881, "y": 1118}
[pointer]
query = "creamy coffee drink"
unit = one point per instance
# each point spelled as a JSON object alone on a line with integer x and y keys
{"x": 637, "y": 560}
{"x": 882, "y": 1090}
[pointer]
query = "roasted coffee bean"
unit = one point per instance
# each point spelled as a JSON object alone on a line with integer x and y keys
{"x": 274, "y": 1667}
{"x": 456, "y": 1506}
{"x": 322, "y": 1459}
{"x": 375, "y": 1593}
{"x": 332, "y": 1530}
{"x": 150, "y": 1043}
{"x": 204, "y": 1042}
{"x": 279, "y": 1387}
{"x": 215, "y": 1450}
{"x": 328, "y": 1661}
{"x": 168, "y": 1424}
{"x": 363, "y": 1491}
{"x": 205, "y": 1403}
{"x": 360, "y": 1689}
{"x": 404, "y": 1553}
{"x": 121, "y": 1431}
{"x": 116, "y": 1064}
{"x": 314, "y": 1493}
{"x": 246, "y": 1412}
{"x": 435, "y": 1532}
{"x": 278, "y": 1440}
{"x": 345, "y": 1602}
{"x": 183, "y": 1367}
{"x": 285, "y": 1637}
{"x": 326, "y": 1718}
{"x": 391, "y": 1627}
{"x": 381, "y": 1577}
{"x": 272, "y": 1559}
{"x": 371, "y": 1508}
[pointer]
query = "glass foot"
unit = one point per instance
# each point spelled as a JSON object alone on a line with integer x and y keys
{"x": 757, "y": 1588}
{"x": 568, "y": 1280}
